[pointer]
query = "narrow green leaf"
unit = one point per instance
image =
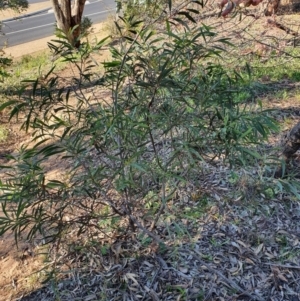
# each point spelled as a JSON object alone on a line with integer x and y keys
{"x": 7, "y": 104}
{"x": 188, "y": 16}
{"x": 170, "y": 5}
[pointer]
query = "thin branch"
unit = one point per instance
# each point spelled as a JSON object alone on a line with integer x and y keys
{"x": 139, "y": 225}
{"x": 295, "y": 267}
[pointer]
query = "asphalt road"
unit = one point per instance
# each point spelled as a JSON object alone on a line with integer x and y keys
{"x": 42, "y": 25}
{"x": 37, "y": 1}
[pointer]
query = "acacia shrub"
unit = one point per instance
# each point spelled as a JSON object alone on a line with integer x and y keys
{"x": 170, "y": 109}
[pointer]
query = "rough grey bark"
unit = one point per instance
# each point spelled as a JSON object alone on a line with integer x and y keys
{"x": 292, "y": 142}
{"x": 69, "y": 14}
{"x": 290, "y": 145}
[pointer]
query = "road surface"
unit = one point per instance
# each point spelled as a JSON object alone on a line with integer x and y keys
{"x": 38, "y": 1}
{"x": 42, "y": 25}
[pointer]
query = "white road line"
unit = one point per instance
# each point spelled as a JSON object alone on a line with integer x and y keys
{"x": 102, "y": 12}
{"x": 10, "y": 33}
{"x": 23, "y": 18}
{"x": 22, "y": 30}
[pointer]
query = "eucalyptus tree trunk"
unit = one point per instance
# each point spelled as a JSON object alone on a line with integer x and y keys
{"x": 68, "y": 14}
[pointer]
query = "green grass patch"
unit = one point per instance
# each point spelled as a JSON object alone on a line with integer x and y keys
{"x": 276, "y": 67}
{"x": 30, "y": 65}
{"x": 258, "y": 72}
{"x": 27, "y": 67}
{"x": 3, "y": 133}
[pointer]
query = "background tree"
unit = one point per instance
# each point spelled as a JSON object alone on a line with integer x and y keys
{"x": 68, "y": 15}
{"x": 18, "y": 5}
{"x": 14, "y": 4}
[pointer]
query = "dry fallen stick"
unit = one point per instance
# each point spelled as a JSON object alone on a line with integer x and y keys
{"x": 226, "y": 280}
{"x": 295, "y": 267}
{"x": 283, "y": 27}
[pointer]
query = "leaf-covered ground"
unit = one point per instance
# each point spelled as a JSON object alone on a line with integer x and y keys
{"x": 237, "y": 250}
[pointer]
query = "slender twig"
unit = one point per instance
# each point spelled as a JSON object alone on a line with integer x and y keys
{"x": 141, "y": 227}
{"x": 283, "y": 27}
{"x": 162, "y": 207}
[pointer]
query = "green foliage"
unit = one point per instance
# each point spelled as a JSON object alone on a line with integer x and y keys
{"x": 170, "y": 110}
{"x": 18, "y": 5}
{"x": 4, "y": 63}
{"x": 85, "y": 26}
{"x": 142, "y": 9}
